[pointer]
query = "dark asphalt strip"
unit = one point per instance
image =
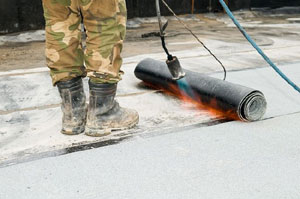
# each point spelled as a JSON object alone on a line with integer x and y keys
{"x": 126, "y": 136}
{"x": 103, "y": 143}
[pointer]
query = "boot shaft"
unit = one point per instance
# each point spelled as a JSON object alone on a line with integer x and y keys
{"x": 72, "y": 93}
{"x": 73, "y": 106}
{"x": 101, "y": 97}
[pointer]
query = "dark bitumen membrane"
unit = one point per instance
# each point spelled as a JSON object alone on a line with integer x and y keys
{"x": 219, "y": 97}
{"x": 72, "y": 149}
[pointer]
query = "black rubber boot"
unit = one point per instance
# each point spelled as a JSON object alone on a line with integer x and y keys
{"x": 73, "y": 106}
{"x": 105, "y": 114}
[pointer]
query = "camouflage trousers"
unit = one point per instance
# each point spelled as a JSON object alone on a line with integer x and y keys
{"x": 105, "y": 26}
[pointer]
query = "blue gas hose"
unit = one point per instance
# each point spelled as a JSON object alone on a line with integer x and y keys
{"x": 259, "y": 50}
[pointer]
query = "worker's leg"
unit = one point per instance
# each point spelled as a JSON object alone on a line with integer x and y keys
{"x": 63, "y": 39}
{"x": 105, "y": 23}
{"x": 65, "y": 60}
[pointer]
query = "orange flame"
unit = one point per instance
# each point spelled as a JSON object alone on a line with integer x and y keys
{"x": 211, "y": 107}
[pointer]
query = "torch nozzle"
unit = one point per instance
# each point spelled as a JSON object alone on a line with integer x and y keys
{"x": 175, "y": 68}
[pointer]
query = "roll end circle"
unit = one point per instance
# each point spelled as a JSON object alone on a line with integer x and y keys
{"x": 254, "y": 107}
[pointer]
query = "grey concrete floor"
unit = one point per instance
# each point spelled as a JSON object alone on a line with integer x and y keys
{"x": 230, "y": 161}
{"x": 176, "y": 151}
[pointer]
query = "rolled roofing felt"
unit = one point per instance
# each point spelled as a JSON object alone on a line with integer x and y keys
{"x": 232, "y": 101}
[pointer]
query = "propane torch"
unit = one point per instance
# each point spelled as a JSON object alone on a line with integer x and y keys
{"x": 172, "y": 61}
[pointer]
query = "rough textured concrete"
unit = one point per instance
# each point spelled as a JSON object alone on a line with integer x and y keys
{"x": 31, "y": 122}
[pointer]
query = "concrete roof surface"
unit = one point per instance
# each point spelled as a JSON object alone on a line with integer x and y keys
{"x": 176, "y": 151}
{"x": 231, "y": 160}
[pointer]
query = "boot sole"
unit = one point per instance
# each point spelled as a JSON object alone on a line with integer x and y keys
{"x": 96, "y": 132}
{"x": 104, "y": 132}
{"x": 133, "y": 124}
{"x": 79, "y": 131}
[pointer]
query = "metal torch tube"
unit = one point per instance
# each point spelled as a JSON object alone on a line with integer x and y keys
{"x": 159, "y": 16}
{"x": 246, "y": 103}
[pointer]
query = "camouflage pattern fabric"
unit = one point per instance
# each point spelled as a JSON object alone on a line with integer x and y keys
{"x": 105, "y": 24}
